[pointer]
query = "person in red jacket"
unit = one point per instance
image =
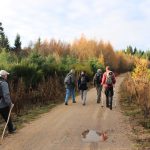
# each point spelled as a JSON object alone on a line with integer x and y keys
{"x": 108, "y": 81}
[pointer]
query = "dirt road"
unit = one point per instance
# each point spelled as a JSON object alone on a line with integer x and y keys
{"x": 61, "y": 128}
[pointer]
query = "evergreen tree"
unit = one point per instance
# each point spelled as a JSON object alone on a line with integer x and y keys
{"x": 147, "y": 55}
{"x": 38, "y": 44}
{"x": 129, "y": 50}
{"x": 135, "y": 51}
{"x": 4, "y": 43}
{"x": 1, "y": 29}
{"x": 17, "y": 43}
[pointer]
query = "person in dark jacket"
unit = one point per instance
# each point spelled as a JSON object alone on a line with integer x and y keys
{"x": 70, "y": 83}
{"x": 108, "y": 81}
{"x": 82, "y": 86}
{"x": 97, "y": 83}
{"x": 5, "y": 100}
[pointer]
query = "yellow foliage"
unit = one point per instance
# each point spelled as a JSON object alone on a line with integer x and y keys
{"x": 85, "y": 49}
{"x": 101, "y": 60}
{"x": 141, "y": 72}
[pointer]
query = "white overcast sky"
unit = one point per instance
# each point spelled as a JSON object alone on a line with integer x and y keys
{"x": 122, "y": 22}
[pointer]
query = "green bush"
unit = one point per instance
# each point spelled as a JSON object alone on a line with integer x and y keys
{"x": 94, "y": 64}
{"x": 29, "y": 74}
{"x": 7, "y": 60}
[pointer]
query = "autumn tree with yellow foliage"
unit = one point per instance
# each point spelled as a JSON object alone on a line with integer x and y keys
{"x": 141, "y": 79}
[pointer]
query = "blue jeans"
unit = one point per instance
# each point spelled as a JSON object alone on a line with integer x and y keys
{"x": 70, "y": 92}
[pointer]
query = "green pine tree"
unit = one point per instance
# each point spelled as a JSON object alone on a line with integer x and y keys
{"x": 129, "y": 50}
{"x": 17, "y": 43}
{"x": 4, "y": 43}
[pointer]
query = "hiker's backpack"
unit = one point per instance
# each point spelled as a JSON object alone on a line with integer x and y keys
{"x": 83, "y": 80}
{"x": 109, "y": 78}
{"x": 1, "y": 91}
{"x": 67, "y": 80}
{"x": 98, "y": 78}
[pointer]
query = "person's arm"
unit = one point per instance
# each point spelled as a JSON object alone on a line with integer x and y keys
{"x": 94, "y": 78}
{"x": 6, "y": 93}
{"x": 103, "y": 79}
{"x": 87, "y": 79}
{"x": 79, "y": 82}
{"x": 114, "y": 79}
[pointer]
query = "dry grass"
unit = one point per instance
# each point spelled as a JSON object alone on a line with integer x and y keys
{"x": 134, "y": 102}
{"x": 50, "y": 90}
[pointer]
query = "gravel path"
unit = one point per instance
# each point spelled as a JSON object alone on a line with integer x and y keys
{"x": 61, "y": 128}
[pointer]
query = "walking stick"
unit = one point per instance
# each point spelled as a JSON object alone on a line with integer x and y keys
{"x": 6, "y": 123}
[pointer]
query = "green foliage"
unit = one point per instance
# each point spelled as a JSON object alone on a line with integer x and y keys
{"x": 28, "y": 72}
{"x": 139, "y": 53}
{"x": 129, "y": 50}
{"x": 94, "y": 65}
{"x": 17, "y": 43}
{"x": 4, "y": 43}
{"x": 147, "y": 55}
{"x": 83, "y": 67}
{"x": 67, "y": 62}
{"x": 35, "y": 58}
{"x": 50, "y": 59}
{"x": 7, "y": 59}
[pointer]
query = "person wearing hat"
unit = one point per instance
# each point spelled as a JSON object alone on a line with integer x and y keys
{"x": 70, "y": 83}
{"x": 5, "y": 100}
{"x": 97, "y": 83}
{"x": 82, "y": 86}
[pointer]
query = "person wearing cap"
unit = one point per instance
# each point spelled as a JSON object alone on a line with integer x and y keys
{"x": 82, "y": 86}
{"x": 70, "y": 83}
{"x": 97, "y": 83}
{"x": 108, "y": 82}
{"x": 5, "y": 100}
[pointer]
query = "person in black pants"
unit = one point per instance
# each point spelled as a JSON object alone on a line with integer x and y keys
{"x": 82, "y": 86}
{"x": 108, "y": 82}
{"x": 5, "y": 100}
{"x": 4, "y": 112}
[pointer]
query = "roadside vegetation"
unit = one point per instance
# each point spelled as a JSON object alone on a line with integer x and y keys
{"x": 135, "y": 102}
{"x": 37, "y": 74}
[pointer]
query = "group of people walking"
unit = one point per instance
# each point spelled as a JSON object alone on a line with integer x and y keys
{"x": 101, "y": 80}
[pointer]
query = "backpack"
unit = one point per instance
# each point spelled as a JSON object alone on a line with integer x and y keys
{"x": 1, "y": 92}
{"x": 98, "y": 78}
{"x": 83, "y": 80}
{"x": 67, "y": 80}
{"x": 109, "y": 78}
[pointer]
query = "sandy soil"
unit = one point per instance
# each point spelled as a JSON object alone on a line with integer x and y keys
{"x": 61, "y": 128}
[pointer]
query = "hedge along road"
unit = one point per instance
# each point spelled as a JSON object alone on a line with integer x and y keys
{"x": 61, "y": 128}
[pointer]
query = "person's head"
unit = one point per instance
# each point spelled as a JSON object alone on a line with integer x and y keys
{"x": 72, "y": 71}
{"x": 82, "y": 73}
{"x": 107, "y": 68}
{"x": 99, "y": 70}
{"x": 4, "y": 74}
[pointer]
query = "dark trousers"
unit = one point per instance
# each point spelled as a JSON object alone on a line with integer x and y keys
{"x": 109, "y": 96}
{"x": 5, "y": 112}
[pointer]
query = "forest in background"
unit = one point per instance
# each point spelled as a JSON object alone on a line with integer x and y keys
{"x": 37, "y": 71}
